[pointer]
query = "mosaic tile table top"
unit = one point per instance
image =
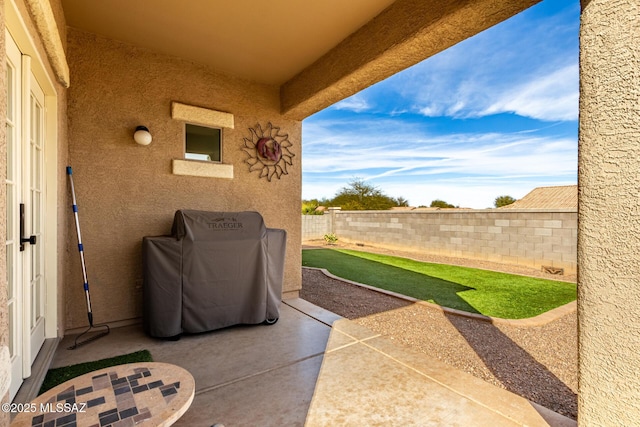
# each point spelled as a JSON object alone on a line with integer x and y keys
{"x": 149, "y": 393}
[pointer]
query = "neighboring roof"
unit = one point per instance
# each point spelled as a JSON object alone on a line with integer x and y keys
{"x": 560, "y": 197}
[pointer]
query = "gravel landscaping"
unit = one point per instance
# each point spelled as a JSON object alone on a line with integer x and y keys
{"x": 538, "y": 363}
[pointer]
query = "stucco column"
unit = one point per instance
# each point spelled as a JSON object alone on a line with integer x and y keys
{"x": 609, "y": 214}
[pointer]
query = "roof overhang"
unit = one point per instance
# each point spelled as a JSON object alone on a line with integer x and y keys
{"x": 316, "y": 52}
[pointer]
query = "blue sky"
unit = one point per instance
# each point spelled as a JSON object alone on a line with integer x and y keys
{"x": 494, "y": 115}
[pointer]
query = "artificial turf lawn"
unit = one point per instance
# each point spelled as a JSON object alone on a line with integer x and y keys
{"x": 491, "y": 293}
{"x": 59, "y": 375}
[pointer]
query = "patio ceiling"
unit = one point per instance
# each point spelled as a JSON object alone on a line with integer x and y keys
{"x": 264, "y": 41}
{"x": 317, "y": 52}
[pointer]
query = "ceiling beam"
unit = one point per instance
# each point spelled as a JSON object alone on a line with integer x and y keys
{"x": 404, "y": 34}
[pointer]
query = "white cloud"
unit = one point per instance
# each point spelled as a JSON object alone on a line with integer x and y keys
{"x": 390, "y": 147}
{"x": 431, "y": 111}
{"x": 356, "y": 103}
{"x": 548, "y": 97}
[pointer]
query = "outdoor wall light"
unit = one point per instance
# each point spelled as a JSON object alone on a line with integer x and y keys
{"x": 142, "y": 135}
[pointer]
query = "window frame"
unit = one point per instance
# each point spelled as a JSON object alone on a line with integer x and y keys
{"x": 204, "y": 117}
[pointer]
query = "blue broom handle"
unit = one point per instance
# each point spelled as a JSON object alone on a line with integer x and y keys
{"x": 80, "y": 247}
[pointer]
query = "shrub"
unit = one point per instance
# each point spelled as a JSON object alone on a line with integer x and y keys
{"x": 331, "y": 238}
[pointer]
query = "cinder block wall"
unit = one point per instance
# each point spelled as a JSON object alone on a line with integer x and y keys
{"x": 533, "y": 238}
{"x": 315, "y": 226}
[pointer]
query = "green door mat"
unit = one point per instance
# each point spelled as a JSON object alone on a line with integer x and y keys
{"x": 59, "y": 375}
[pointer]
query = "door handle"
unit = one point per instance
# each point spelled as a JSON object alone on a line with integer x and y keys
{"x": 31, "y": 239}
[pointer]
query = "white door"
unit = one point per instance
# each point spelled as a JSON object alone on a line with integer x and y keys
{"x": 25, "y": 204}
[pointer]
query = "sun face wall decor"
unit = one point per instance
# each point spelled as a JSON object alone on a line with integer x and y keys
{"x": 268, "y": 151}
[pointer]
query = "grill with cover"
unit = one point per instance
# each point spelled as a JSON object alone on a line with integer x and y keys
{"x": 217, "y": 269}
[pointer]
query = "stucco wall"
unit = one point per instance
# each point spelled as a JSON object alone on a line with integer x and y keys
{"x": 126, "y": 191}
{"x": 533, "y": 238}
{"x": 63, "y": 198}
{"x": 609, "y": 160}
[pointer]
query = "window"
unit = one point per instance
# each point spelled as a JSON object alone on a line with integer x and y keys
{"x": 202, "y": 143}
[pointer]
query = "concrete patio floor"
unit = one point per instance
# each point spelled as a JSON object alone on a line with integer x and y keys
{"x": 315, "y": 368}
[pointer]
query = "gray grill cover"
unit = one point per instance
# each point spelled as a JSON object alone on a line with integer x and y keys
{"x": 217, "y": 269}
